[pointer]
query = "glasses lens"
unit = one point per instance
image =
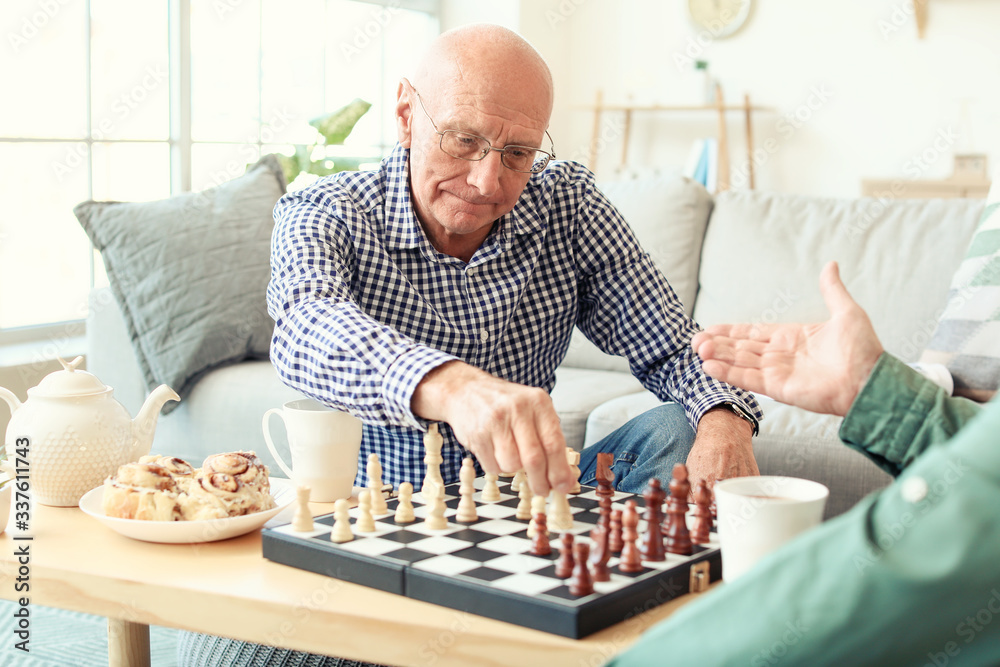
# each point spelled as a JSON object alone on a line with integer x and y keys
{"x": 464, "y": 146}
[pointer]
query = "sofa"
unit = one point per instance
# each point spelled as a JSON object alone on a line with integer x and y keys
{"x": 742, "y": 256}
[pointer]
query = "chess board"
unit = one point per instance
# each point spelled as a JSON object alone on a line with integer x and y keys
{"x": 485, "y": 567}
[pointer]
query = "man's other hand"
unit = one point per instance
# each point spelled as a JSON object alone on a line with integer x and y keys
{"x": 819, "y": 367}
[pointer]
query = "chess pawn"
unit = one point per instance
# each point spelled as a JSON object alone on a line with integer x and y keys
{"x": 467, "y": 506}
{"x": 702, "y": 528}
{"x": 601, "y": 554}
{"x": 491, "y": 492}
{"x": 374, "y": 470}
{"x": 404, "y": 508}
{"x": 435, "y": 515}
{"x": 540, "y": 542}
{"x": 537, "y": 509}
{"x": 581, "y": 582}
{"x": 365, "y": 522}
{"x": 631, "y": 560}
{"x": 564, "y": 566}
{"x": 302, "y": 521}
{"x": 615, "y": 543}
{"x": 342, "y": 522}
{"x": 523, "y": 511}
{"x": 519, "y": 478}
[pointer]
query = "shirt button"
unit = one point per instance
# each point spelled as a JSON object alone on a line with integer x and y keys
{"x": 914, "y": 489}
{"x": 484, "y": 335}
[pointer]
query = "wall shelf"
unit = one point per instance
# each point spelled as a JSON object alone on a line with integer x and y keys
{"x": 720, "y": 108}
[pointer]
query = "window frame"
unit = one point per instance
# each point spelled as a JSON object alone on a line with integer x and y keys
{"x": 179, "y": 140}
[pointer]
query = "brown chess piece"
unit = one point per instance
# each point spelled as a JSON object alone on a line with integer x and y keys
{"x": 615, "y": 543}
{"x": 600, "y": 555}
{"x": 652, "y": 541}
{"x": 630, "y": 561}
{"x": 564, "y": 566}
{"x": 605, "y": 476}
{"x": 702, "y": 528}
{"x": 678, "y": 539}
{"x": 540, "y": 542}
{"x": 604, "y": 511}
{"x": 581, "y": 583}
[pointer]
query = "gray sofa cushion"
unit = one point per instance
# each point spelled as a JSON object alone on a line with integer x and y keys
{"x": 894, "y": 259}
{"x": 189, "y": 273}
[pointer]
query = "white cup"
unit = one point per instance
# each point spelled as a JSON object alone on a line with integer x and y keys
{"x": 324, "y": 444}
{"x": 756, "y": 515}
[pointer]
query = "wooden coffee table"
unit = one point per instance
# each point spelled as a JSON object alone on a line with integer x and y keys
{"x": 227, "y": 588}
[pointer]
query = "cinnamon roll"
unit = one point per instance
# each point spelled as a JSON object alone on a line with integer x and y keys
{"x": 182, "y": 471}
{"x": 144, "y": 491}
{"x": 244, "y": 466}
{"x": 216, "y": 495}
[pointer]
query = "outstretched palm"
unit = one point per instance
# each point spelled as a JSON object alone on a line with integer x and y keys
{"x": 819, "y": 367}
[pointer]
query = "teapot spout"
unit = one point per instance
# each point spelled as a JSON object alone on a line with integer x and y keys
{"x": 144, "y": 424}
{"x": 12, "y": 401}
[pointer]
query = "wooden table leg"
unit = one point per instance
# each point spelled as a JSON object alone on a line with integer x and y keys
{"x": 128, "y": 644}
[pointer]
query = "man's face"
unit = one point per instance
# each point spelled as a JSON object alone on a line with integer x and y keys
{"x": 460, "y": 199}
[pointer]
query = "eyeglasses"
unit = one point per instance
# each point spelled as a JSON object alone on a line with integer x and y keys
{"x": 465, "y": 146}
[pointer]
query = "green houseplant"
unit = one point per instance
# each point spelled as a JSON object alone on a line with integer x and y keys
{"x": 332, "y": 129}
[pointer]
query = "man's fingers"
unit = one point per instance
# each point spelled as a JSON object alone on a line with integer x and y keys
{"x": 751, "y": 379}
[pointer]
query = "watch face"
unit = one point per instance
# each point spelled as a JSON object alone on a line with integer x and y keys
{"x": 720, "y": 17}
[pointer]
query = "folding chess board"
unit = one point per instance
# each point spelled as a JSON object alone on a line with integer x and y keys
{"x": 485, "y": 567}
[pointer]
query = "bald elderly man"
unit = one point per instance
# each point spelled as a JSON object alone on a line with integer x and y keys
{"x": 444, "y": 287}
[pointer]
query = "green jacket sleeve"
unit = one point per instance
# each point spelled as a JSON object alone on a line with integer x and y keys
{"x": 898, "y": 414}
{"x": 908, "y": 576}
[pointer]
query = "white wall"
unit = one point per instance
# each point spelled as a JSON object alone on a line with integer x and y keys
{"x": 856, "y": 94}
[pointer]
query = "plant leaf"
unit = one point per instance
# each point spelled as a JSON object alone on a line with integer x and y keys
{"x": 337, "y": 125}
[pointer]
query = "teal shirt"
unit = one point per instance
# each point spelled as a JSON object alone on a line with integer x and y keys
{"x": 910, "y": 576}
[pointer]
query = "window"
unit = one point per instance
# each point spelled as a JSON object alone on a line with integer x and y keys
{"x": 130, "y": 101}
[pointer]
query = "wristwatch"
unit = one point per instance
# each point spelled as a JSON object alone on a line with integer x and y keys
{"x": 740, "y": 412}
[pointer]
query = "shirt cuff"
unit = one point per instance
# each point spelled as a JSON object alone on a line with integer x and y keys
{"x": 402, "y": 378}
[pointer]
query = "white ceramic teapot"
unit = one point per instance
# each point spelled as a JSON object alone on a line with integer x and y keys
{"x": 78, "y": 434}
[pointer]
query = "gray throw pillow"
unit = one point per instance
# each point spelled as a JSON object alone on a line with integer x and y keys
{"x": 190, "y": 272}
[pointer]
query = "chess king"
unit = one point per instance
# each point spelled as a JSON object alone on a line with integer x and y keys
{"x": 444, "y": 288}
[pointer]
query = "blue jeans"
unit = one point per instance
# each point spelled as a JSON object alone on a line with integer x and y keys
{"x": 646, "y": 447}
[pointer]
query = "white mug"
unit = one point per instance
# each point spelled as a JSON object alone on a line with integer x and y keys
{"x": 756, "y": 515}
{"x": 324, "y": 444}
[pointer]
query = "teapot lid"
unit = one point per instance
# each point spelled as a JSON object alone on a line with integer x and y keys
{"x": 69, "y": 382}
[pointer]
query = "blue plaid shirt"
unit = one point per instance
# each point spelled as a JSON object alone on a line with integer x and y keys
{"x": 365, "y": 306}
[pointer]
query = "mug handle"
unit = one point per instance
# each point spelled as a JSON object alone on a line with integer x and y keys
{"x": 270, "y": 443}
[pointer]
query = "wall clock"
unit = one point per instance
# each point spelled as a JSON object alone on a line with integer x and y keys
{"x": 721, "y": 18}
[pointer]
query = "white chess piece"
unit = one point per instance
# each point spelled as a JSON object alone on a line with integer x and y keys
{"x": 537, "y": 507}
{"x": 523, "y": 511}
{"x": 573, "y": 458}
{"x": 404, "y": 508}
{"x": 560, "y": 515}
{"x": 467, "y": 506}
{"x": 365, "y": 522}
{"x": 432, "y": 459}
{"x": 342, "y": 522}
{"x": 435, "y": 514}
{"x": 374, "y": 470}
{"x": 519, "y": 477}
{"x": 302, "y": 521}
{"x": 491, "y": 492}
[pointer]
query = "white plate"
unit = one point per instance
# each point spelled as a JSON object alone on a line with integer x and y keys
{"x": 186, "y": 532}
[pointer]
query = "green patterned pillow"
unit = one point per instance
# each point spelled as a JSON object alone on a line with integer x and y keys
{"x": 967, "y": 339}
